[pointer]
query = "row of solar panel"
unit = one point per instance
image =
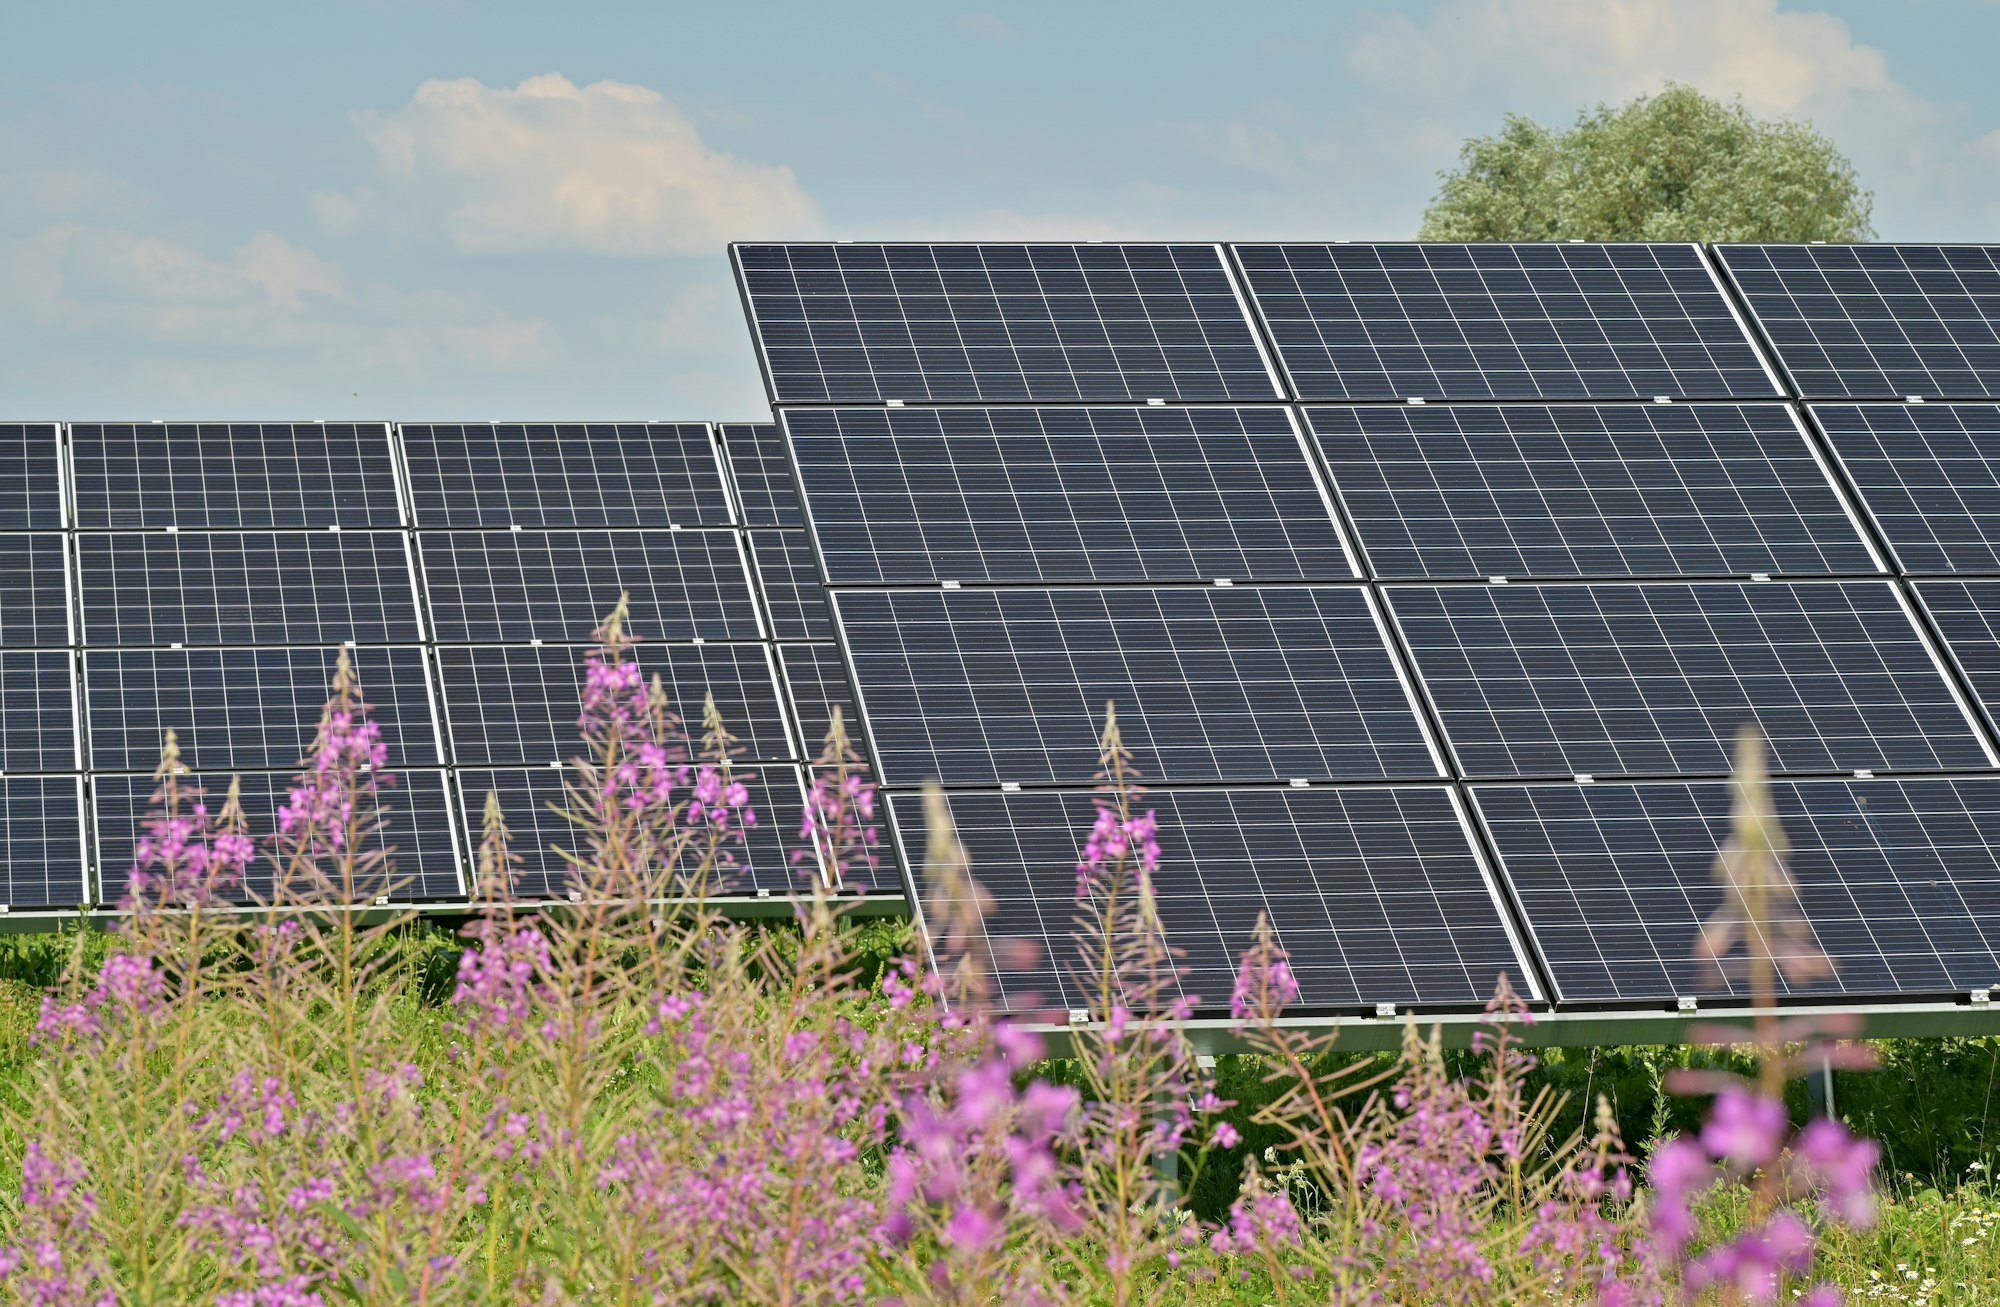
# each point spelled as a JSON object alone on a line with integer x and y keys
{"x": 849, "y": 323}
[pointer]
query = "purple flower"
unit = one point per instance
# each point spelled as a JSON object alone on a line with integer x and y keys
{"x": 1744, "y": 1129}
{"x": 1842, "y": 1165}
{"x": 1225, "y": 1135}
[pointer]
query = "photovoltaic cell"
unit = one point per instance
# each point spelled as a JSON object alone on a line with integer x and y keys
{"x": 1967, "y": 614}
{"x": 1357, "y": 322}
{"x": 1375, "y": 892}
{"x": 512, "y": 704}
{"x": 815, "y": 681}
{"x": 246, "y": 709}
{"x": 423, "y": 844}
{"x": 1930, "y": 476}
{"x": 1657, "y": 679}
{"x": 227, "y": 476}
{"x": 30, "y": 477}
{"x": 565, "y": 475}
{"x": 37, "y": 711}
{"x": 1064, "y": 494}
{"x": 261, "y": 587}
{"x": 971, "y": 687}
{"x": 1877, "y": 321}
{"x": 34, "y": 591}
{"x": 499, "y": 586}
{"x": 790, "y": 580}
{"x": 1000, "y": 323}
{"x": 1899, "y": 882}
{"x": 761, "y": 860}
{"x": 41, "y": 842}
{"x": 1476, "y": 490}
{"x": 762, "y": 474}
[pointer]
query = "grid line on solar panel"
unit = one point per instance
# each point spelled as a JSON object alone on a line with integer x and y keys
{"x": 41, "y": 842}
{"x": 760, "y": 860}
{"x": 246, "y": 709}
{"x": 258, "y": 587}
{"x": 1928, "y": 474}
{"x": 1000, "y": 323}
{"x": 789, "y": 577}
{"x": 1375, "y": 892}
{"x": 1656, "y": 678}
{"x": 422, "y": 834}
{"x": 906, "y": 495}
{"x": 761, "y": 473}
{"x": 1899, "y": 882}
{"x": 1461, "y": 491}
{"x": 1967, "y": 614}
{"x": 1528, "y": 321}
{"x": 34, "y": 591}
{"x": 600, "y": 474}
{"x": 227, "y": 476}
{"x": 31, "y": 478}
{"x": 38, "y": 731}
{"x": 971, "y": 687}
{"x": 815, "y": 681}
{"x": 492, "y": 587}
{"x": 514, "y": 704}
{"x": 1877, "y": 321}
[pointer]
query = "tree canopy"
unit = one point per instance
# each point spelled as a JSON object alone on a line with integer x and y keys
{"x": 1673, "y": 166}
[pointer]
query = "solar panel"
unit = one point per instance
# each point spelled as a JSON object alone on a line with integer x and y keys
{"x": 1000, "y": 323}
{"x": 789, "y": 576}
{"x": 245, "y": 709}
{"x": 495, "y": 586}
{"x": 761, "y": 473}
{"x": 1929, "y": 474}
{"x": 815, "y": 680}
{"x": 1877, "y": 321}
{"x": 762, "y": 861}
{"x": 264, "y": 587}
{"x": 1064, "y": 494}
{"x": 512, "y": 704}
{"x": 1656, "y": 679}
{"x": 31, "y": 479}
{"x": 1967, "y": 614}
{"x": 34, "y": 590}
{"x": 1570, "y": 321}
{"x": 228, "y": 476}
{"x": 565, "y": 475}
{"x": 1211, "y": 683}
{"x": 1375, "y": 891}
{"x": 420, "y": 834}
{"x": 37, "y": 711}
{"x": 1899, "y": 882}
{"x": 1474, "y": 490}
{"x": 41, "y": 842}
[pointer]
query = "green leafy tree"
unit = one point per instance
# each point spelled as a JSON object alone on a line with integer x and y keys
{"x": 1673, "y": 166}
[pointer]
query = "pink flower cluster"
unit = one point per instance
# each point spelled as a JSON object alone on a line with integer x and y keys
{"x": 1112, "y": 840}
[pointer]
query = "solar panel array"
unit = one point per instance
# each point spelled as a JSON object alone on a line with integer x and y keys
{"x": 200, "y": 578}
{"x": 1432, "y": 640}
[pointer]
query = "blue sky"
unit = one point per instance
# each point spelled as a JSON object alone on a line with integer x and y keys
{"x": 438, "y": 209}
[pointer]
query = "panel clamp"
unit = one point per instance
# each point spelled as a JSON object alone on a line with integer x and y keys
{"x": 1496, "y": 580}
{"x": 1010, "y": 787}
{"x": 950, "y": 585}
{"x": 1863, "y": 774}
{"x": 893, "y": 403}
{"x": 1414, "y": 399}
{"x": 1663, "y": 399}
{"x": 1299, "y": 783}
{"x": 1224, "y": 581}
{"x": 1913, "y": 399}
{"x": 1978, "y": 997}
{"x": 381, "y": 900}
{"x": 1684, "y": 1004}
{"x": 1585, "y": 778}
{"x": 1760, "y": 576}
{"x": 763, "y": 891}
{"x": 1386, "y": 1011}
{"x": 1156, "y": 403}
{"x": 1079, "y": 1016}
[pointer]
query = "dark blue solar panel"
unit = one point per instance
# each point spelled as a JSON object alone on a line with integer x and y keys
{"x": 1899, "y": 882}
{"x": 1502, "y": 322}
{"x": 815, "y": 681}
{"x": 265, "y": 587}
{"x": 34, "y": 591}
{"x": 1657, "y": 679}
{"x": 498, "y": 586}
{"x": 234, "y": 475}
{"x": 1877, "y": 321}
{"x": 510, "y": 704}
{"x": 1930, "y": 476}
{"x": 1967, "y": 614}
{"x": 1211, "y": 683}
{"x": 761, "y": 473}
{"x": 1476, "y": 490}
{"x": 420, "y": 836}
{"x": 37, "y": 711}
{"x": 1000, "y": 323}
{"x": 789, "y": 577}
{"x": 1064, "y": 494}
{"x": 41, "y": 842}
{"x": 761, "y": 860}
{"x": 1375, "y": 891}
{"x": 565, "y": 474}
{"x": 31, "y": 482}
{"x": 245, "y": 709}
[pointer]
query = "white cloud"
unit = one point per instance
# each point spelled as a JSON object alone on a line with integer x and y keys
{"x": 1987, "y": 148}
{"x": 609, "y": 168}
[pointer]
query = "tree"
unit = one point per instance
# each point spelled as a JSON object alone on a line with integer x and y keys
{"x": 1675, "y": 166}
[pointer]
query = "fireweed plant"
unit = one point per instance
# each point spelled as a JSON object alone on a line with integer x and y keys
{"x": 629, "y": 1098}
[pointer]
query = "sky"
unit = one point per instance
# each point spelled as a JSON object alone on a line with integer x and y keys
{"x": 480, "y": 210}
